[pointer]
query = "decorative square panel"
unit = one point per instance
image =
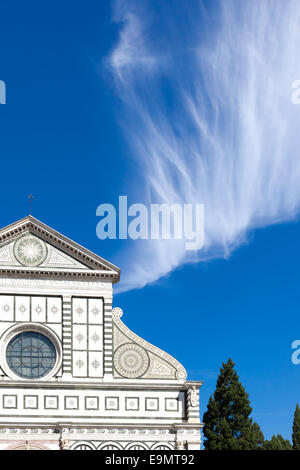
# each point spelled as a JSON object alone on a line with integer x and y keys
{"x": 151, "y": 404}
{"x": 95, "y": 338}
{"x": 79, "y": 310}
{"x": 112, "y": 403}
{"x": 132, "y": 403}
{"x": 54, "y": 307}
{"x": 22, "y": 308}
{"x": 79, "y": 363}
{"x": 38, "y": 309}
{"x": 91, "y": 403}
{"x": 6, "y": 307}
{"x": 95, "y": 311}
{"x": 71, "y": 403}
{"x": 79, "y": 337}
{"x": 95, "y": 364}
{"x": 171, "y": 404}
{"x": 9, "y": 401}
{"x": 51, "y": 402}
{"x": 31, "y": 402}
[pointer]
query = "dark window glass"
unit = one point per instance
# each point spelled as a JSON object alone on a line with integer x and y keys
{"x": 30, "y": 355}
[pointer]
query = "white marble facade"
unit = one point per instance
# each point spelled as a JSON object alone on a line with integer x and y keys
{"x": 72, "y": 375}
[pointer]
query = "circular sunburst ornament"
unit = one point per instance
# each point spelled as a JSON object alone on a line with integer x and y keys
{"x": 30, "y": 251}
{"x": 131, "y": 361}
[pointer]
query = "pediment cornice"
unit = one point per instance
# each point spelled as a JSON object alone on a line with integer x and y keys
{"x": 96, "y": 267}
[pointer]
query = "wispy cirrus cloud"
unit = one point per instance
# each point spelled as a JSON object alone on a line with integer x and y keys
{"x": 132, "y": 50}
{"x": 206, "y": 90}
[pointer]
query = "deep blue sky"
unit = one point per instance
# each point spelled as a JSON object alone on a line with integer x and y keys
{"x": 60, "y": 139}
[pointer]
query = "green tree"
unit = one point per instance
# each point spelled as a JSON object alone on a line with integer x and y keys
{"x": 258, "y": 440}
{"x": 296, "y": 429}
{"x": 227, "y": 425}
{"x": 278, "y": 443}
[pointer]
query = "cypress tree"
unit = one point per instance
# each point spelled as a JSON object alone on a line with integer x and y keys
{"x": 227, "y": 425}
{"x": 258, "y": 440}
{"x": 278, "y": 443}
{"x": 296, "y": 429}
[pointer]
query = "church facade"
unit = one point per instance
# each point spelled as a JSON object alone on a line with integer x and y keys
{"x": 72, "y": 375}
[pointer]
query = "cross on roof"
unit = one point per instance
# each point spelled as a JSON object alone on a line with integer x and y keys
{"x": 30, "y": 197}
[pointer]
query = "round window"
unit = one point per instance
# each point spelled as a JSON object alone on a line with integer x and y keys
{"x": 30, "y": 355}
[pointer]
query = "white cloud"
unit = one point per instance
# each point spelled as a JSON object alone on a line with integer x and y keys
{"x": 131, "y": 52}
{"x": 229, "y": 136}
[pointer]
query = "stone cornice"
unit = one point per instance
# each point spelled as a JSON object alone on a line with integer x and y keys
{"x": 194, "y": 383}
{"x": 115, "y": 385}
{"x": 48, "y": 273}
{"x": 64, "y": 426}
{"x": 97, "y": 267}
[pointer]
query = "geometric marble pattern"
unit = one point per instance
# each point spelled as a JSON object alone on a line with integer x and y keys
{"x": 110, "y": 389}
{"x": 171, "y": 404}
{"x": 87, "y": 401}
{"x": 71, "y": 402}
{"x": 87, "y": 337}
{"x": 132, "y": 403}
{"x": 51, "y": 402}
{"x": 9, "y": 401}
{"x": 152, "y": 404}
{"x": 30, "y": 401}
{"x": 112, "y": 403}
{"x": 37, "y": 309}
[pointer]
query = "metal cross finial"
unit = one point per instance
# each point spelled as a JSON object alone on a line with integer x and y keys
{"x": 30, "y": 197}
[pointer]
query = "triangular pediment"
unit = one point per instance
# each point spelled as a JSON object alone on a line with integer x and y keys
{"x": 29, "y": 245}
{"x": 14, "y": 254}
